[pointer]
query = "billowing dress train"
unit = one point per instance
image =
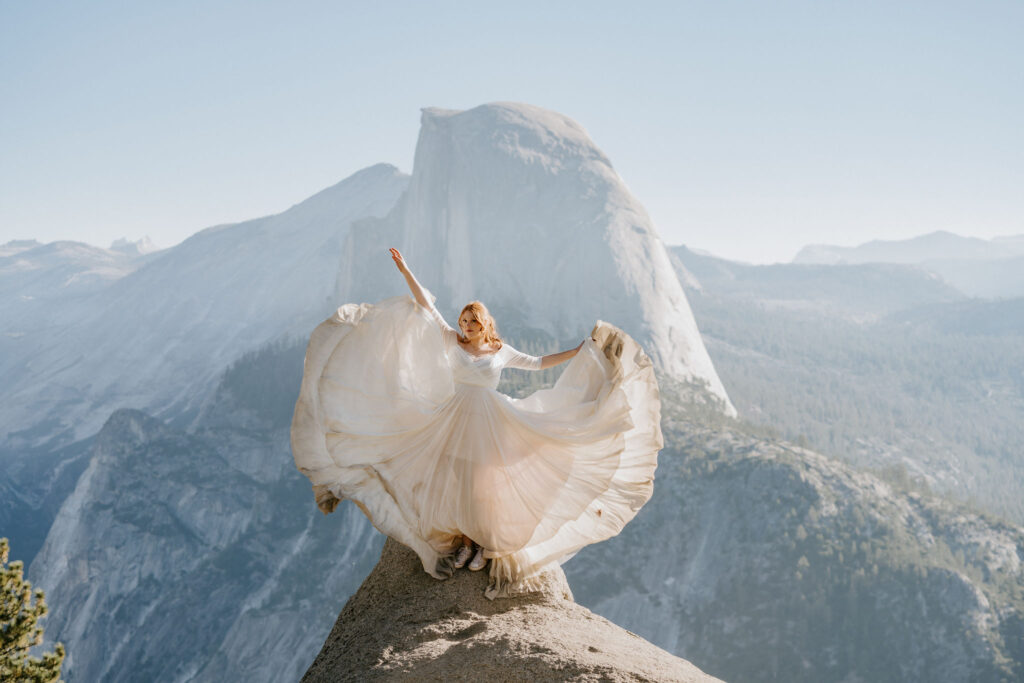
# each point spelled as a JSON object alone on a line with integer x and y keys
{"x": 395, "y": 415}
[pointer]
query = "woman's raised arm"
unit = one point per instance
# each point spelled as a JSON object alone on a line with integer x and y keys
{"x": 415, "y": 287}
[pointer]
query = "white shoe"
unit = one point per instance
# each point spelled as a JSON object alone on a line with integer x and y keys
{"x": 479, "y": 561}
{"x": 462, "y": 555}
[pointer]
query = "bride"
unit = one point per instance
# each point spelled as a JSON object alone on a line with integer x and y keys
{"x": 401, "y": 414}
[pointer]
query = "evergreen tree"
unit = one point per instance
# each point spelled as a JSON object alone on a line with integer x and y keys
{"x": 18, "y": 629}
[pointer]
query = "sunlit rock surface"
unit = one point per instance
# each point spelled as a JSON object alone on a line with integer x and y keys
{"x": 403, "y": 624}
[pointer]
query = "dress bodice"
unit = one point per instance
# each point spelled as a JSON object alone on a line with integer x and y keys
{"x": 484, "y": 371}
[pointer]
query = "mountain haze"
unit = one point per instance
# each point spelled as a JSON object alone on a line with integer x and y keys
{"x": 885, "y": 365}
{"x": 185, "y": 546}
{"x": 977, "y": 267}
{"x": 157, "y": 337}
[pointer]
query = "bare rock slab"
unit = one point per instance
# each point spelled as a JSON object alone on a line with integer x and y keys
{"x": 402, "y": 623}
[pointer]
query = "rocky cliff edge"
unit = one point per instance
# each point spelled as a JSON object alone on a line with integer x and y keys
{"x": 402, "y": 622}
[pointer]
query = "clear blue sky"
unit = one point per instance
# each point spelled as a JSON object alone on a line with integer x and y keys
{"x": 746, "y": 128}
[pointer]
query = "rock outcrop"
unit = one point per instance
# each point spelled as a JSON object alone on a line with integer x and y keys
{"x": 402, "y": 622}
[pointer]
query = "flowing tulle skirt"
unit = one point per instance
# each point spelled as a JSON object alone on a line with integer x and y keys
{"x": 381, "y": 421}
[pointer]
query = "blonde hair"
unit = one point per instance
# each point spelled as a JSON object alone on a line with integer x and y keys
{"x": 480, "y": 314}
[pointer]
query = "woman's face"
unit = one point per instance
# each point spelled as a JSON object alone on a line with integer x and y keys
{"x": 470, "y": 326}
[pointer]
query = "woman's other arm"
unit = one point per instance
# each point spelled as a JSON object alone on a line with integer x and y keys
{"x": 519, "y": 360}
{"x": 415, "y": 287}
{"x": 556, "y": 358}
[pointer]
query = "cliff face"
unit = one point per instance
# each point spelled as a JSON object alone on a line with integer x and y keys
{"x": 516, "y": 206}
{"x": 401, "y": 622}
{"x": 763, "y": 561}
{"x": 200, "y": 557}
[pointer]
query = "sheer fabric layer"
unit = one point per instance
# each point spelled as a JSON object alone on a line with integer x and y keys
{"x": 395, "y": 416}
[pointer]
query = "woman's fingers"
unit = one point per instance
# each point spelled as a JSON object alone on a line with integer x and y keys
{"x": 397, "y": 257}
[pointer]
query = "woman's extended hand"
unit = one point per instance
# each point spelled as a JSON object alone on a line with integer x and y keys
{"x": 418, "y": 293}
{"x": 555, "y": 358}
{"x": 399, "y": 261}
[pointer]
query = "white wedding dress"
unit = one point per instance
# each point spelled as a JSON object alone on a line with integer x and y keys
{"x": 395, "y": 415}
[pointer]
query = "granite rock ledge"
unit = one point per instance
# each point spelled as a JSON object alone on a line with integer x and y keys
{"x": 403, "y": 623}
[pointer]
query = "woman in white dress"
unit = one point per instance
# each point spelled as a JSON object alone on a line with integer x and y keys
{"x": 400, "y": 413}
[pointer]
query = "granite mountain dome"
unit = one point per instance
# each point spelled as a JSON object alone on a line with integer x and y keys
{"x": 515, "y": 205}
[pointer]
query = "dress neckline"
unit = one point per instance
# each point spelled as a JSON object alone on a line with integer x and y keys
{"x": 473, "y": 355}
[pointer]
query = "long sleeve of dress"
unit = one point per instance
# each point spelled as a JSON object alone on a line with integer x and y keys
{"x": 520, "y": 360}
{"x": 447, "y": 331}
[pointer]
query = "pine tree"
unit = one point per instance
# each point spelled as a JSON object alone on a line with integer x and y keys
{"x": 18, "y": 629}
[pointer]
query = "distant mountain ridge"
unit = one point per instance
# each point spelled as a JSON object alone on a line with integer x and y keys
{"x": 883, "y": 364}
{"x": 977, "y": 267}
{"x": 30, "y": 270}
{"x": 856, "y": 291}
{"x": 933, "y": 246}
{"x": 198, "y": 306}
{"x": 15, "y": 246}
{"x": 140, "y": 246}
